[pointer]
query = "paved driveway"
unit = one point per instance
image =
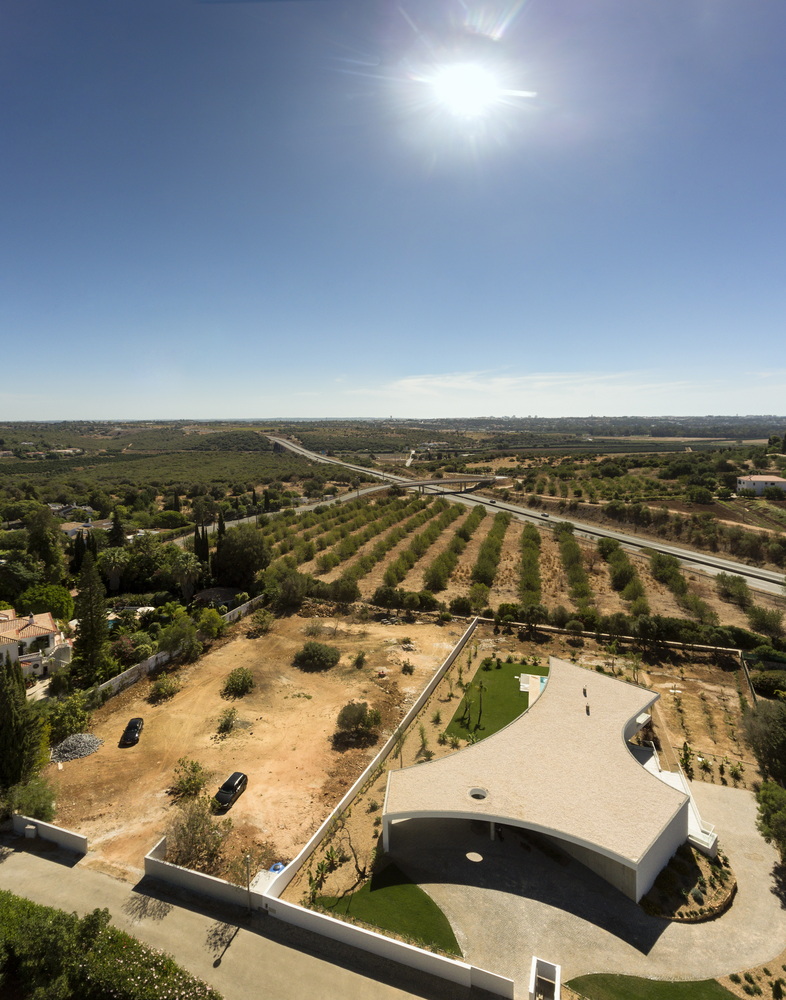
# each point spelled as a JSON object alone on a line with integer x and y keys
{"x": 517, "y": 902}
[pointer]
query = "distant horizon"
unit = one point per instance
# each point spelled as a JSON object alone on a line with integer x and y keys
{"x": 348, "y": 418}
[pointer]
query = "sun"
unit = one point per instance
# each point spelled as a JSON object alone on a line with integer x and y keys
{"x": 467, "y": 90}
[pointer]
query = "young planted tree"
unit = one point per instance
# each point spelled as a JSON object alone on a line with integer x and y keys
{"x": 356, "y": 723}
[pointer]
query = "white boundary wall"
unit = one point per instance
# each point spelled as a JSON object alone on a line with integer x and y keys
{"x": 450, "y": 969}
{"x": 184, "y": 878}
{"x": 279, "y": 884}
{"x": 142, "y": 669}
{"x": 321, "y": 923}
{"x": 63, "y": 838}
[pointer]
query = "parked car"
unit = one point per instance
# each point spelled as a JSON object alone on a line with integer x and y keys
{"x": 232, "y": 789}
{"x": 132, "y": 732}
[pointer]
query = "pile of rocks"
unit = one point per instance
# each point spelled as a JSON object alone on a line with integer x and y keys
{"x": 76, "y": 746}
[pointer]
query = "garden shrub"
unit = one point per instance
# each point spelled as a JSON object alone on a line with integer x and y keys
{"x": 226, "y": 721}
{"x": 238, "y": 683}
{"x": 189, "y": 780}
{"x": 317, "y": 656}
{"x": 260, "y": 623}
{"x": 58, "y": 954}
{"x": 163, "y": 688}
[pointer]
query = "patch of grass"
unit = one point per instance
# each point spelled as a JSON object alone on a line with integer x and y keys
{"x": 391, "y": 902}
{"x": 500, "y": 703}
{"x": 607, "y": 987}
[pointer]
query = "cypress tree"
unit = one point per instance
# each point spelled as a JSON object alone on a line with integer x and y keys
{"x": 222, "y": 528}
{"x": 117, "y": 533}
{"x": 197, "y": 543}
{"x": 78, "y": 556}
{"x": 92, "y": 632}
{"x": 20, "y": 732}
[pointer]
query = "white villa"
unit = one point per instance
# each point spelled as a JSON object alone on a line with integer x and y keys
{"x": 565, "y": 768}
{"x": 758, "y": 484}
{"x": 34, "y": 641}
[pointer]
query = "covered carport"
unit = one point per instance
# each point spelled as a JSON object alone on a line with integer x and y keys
{"x": 562, "y": 769}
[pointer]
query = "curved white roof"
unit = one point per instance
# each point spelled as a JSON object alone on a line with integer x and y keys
{"x": 557, "y": 768}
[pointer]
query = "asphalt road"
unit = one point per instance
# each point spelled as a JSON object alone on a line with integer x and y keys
{"x": 759, "y": 579}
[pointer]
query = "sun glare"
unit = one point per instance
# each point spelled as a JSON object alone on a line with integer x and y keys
{"x": 466, "y": 89}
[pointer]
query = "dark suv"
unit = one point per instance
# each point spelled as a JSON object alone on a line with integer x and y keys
{"x": 232, "y": 789}
{"x": 132, "y": 731}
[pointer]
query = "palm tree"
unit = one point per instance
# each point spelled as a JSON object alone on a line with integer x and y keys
{"x": 481, "y": 689}
{"x": 112, "y": 562}
{"x": 186, "y": 569}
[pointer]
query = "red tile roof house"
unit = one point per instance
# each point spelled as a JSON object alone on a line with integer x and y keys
{"x": 34, "y": 641}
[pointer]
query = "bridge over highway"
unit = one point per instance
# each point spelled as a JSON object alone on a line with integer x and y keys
{"x": 760, "y": 579}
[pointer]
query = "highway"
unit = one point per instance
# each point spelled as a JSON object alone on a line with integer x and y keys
{"x": 760, "y": 579}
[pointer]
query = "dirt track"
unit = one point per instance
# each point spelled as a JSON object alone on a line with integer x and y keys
{"x": 118, "y": 797}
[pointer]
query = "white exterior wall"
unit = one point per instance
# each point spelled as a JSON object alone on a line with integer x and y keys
{"x": 760, "y": 485}
{"x": 653, "y": 862}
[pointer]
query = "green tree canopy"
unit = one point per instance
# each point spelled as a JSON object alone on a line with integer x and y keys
{"x": 47, "y": 597}
{"x": 242, "y": 553}
{"x": 765, "y": 731}
{"x": 20, "y": 731}
{"x": 45, "y": 541}
{"x": 772, "y": 815}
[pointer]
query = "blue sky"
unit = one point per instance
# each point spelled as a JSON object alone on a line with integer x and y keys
{"x": 261, "y": 209}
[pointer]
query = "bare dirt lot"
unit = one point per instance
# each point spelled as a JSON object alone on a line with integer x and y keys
{"x": 118, "y": 797}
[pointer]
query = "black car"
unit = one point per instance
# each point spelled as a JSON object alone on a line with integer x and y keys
{"x": 232, "y": 789}
{"x": 132, "y": 732}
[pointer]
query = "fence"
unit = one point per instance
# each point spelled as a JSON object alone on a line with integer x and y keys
{"x": 286, "y": 876}
{"x": 139, "y": 670}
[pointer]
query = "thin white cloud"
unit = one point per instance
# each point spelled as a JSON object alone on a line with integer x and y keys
{"x": 487, "y": 392}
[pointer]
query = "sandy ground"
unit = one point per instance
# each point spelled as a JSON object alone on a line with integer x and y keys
{"x": 118, "y": 797}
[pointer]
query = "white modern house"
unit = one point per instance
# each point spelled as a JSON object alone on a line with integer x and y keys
{"x": 34, "y": 641}
{"x": 758, "y": 484}
{"x": 566, "y": 769}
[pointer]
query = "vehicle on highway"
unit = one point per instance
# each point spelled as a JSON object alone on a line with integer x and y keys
{"x": 544, "y": 515}
{"x": 132, "y": 732}
{"x": 232, "y": 789}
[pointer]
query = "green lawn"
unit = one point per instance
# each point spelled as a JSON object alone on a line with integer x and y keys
{"x": 391, "y": 902}
{"x": 502, "y": 702}
{"x": 606, "y": 987}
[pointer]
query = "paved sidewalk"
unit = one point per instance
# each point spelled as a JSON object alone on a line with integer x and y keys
{"x": 266, "y": 958}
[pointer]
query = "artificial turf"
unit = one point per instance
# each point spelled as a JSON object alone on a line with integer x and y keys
{"x": 608, "y": 987}
{"x": 391, "y": 902}
{"x": 502, "y": 701}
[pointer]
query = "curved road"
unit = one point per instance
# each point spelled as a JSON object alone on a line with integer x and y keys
{"x": 759, "y": 579}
